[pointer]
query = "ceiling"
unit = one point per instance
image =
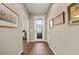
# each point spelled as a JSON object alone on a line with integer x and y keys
{"x": 37, "y": 7}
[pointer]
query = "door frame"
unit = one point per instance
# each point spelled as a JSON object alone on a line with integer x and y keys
{"x": 43, "y": 37}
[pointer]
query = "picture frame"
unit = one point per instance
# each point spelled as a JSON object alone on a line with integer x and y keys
{"x": 51, "y": 23}
{"x": 8, "y": 17}
{"x": 59, "y": 19}
{"x": 73, "y": 14}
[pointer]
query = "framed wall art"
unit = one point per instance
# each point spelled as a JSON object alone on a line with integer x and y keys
{"x": 51, "y": 23}
{"x": 59, "y": 19}
{"x": 8, "y": 17}
{"x": 73, "y": 13}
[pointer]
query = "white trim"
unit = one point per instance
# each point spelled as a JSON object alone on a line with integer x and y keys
{"x": 43, "y": 39}
{"x": 52, "y": 48}
{"x": 48, "y": 30}
{"x": 28, "y": 31}
{"x": 37, "y": 40}
{"x": 20, "y": 52}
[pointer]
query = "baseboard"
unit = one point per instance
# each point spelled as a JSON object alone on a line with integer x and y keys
{"x": 21, "y": 52}
{"x": 52, "y": 49}
{"x": 37, "y": 40}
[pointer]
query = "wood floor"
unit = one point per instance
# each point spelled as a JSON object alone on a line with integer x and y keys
{"x": 36, "y": 48}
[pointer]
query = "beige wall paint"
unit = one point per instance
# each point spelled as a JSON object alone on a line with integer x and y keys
{"x": 32, "y": 25}
{"x": 11, "y": 38}
{"x": 64, "y": 39}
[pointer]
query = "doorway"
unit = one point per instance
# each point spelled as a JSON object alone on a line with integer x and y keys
{"x": 39, "y": 28}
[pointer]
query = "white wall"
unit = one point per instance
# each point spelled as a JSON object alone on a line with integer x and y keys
{"x": 32, "y": 25}
{"x": 25, "y": 21}
{"x": 11, "y": 38}
{"x": 64, "y": 39}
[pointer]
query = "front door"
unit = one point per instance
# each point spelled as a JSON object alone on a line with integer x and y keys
{"x": 39, "y": 28}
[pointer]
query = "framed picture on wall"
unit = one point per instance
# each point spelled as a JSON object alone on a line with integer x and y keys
{"x": 73, "y": 13}
{"x": 51, "y": 23}
{"x": 8, "y": 17}
{"x": 59, "y": 19}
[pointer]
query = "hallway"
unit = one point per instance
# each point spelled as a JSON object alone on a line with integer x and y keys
{"x": 36, "y": 48}
{"x": 48, "y": 28}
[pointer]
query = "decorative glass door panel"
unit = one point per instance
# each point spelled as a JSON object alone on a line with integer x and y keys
{"x": 39, "y": 28}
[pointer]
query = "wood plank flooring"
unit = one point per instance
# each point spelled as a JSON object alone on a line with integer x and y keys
{"x": 36, "y": 48}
